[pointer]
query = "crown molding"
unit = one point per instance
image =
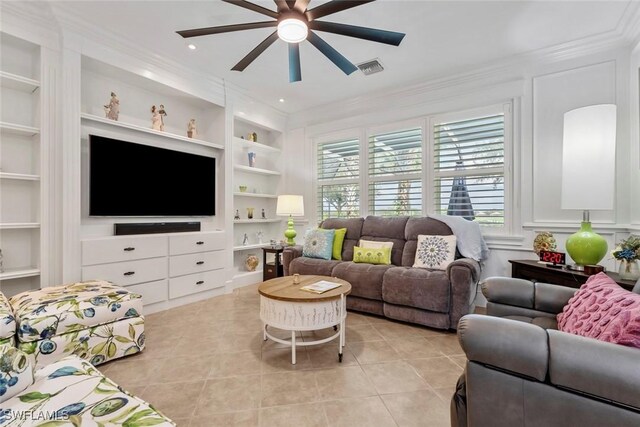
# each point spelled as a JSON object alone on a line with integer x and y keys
{"x": 629, "y": 26}
{"x": 31, "y": 21}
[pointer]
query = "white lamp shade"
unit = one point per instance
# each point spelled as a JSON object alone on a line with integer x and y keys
{"x": 589, "y": 158}
{"x": 289, "y": 204}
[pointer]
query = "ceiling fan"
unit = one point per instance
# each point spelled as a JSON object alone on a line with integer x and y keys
{"x": 295, "y": 22}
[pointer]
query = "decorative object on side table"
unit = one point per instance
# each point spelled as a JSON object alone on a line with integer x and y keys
{"x": 544, "y": 241}
{"x": 192, "y": 131}
{"x": 628, "y": 253}
{"x": 251, "y": 263}
{"x": 112, "y": 109}
{"x": 249, "y": 213}
{"x": 290, "y": 205}
{"x": 156, "y": 120}
{"x": 589, "y": 145}
{"x": 252, "y": 159}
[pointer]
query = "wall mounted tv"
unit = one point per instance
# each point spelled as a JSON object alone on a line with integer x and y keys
{"x": 128, "y": 179}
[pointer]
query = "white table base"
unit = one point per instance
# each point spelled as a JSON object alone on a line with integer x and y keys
{"x": 304, "y": 316}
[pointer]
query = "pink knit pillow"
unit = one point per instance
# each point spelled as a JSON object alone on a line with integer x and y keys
{"x": 603, "y": 310}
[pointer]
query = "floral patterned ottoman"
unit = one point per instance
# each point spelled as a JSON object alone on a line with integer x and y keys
{"x": 69, "y": 392}
{"x": 7, "y": 323}
{"x": 95, "y": 320}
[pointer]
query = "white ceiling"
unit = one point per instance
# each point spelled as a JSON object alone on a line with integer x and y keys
{"x": 443, "y": 37}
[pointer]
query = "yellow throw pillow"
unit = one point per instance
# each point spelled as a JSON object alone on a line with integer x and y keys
{"x": 381, "y": 256}
{"x": 338, "y": 241}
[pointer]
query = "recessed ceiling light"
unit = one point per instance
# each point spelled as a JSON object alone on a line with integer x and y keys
{"x": 192, "y": 46}
{"x": 281, "y": 100}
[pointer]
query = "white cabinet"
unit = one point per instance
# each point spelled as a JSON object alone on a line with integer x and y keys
{"x": 160, "y": 267}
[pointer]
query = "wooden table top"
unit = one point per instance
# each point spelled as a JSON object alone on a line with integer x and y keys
{"x": 282, "y": 288}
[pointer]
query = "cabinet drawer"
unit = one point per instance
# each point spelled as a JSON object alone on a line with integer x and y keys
{"x": 180, "y": 265}
{"x": 128, "y": 272}
{"x": 193, "y": 283}
{"x": 151, "y": 292}
{"x": 196, "y": 242}
{"x": 102, "y": 251}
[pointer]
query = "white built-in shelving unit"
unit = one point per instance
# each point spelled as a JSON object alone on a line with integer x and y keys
{"x": 262, "y": 182}
{"x": 20, "y": 165}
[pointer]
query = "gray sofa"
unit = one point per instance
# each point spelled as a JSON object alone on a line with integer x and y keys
{"x": 432, "y": 298}
{"x": 521, "y": 371}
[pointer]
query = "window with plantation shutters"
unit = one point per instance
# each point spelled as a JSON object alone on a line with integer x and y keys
{"x": 395, "y": 173}
{"x": 469, "y": 168}
{"x": 338, "y": 175}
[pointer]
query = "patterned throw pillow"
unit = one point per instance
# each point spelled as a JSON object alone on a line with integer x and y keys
{"x": 380, "y": 256}
{"x": 435, "y": 252}
{"x": 318, "y": 243}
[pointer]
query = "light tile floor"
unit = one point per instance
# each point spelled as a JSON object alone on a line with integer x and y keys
{"x": 206, "y": 365}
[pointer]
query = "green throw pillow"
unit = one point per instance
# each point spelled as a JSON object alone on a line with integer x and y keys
{"x": 372, "y": 256}
{"x": 338, "y": 241}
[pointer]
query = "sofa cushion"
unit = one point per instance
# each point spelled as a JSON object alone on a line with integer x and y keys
{"x": 543, "y": 322}
{"x": 7, "y": 320}
{"x": 415, "y": 227}
{"x": 354, "y": 230}
{"x": 387, "y": 229}
{"x": 318, "y": 243}
{"x": 62, "y": 309}
{"x": 415, "y": 287}
{"x": 312, "y": 266}
{"x": 365, "y": 279}
{"x": 601, "y": 309}
{"x": 72, "y": 388}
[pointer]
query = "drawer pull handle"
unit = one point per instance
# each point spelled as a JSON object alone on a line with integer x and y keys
{"x": 200, "y": 242}
{"x": 199, "y": 262}
{"x": 200, "y": 282}
{"x": 129, "y": 273}
{"x": 129, "y": 249}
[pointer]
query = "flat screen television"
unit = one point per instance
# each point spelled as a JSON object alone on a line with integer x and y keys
{"x": 129, "y": 179}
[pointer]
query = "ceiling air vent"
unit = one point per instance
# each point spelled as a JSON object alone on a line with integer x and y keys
{"x": 371, "y": 67}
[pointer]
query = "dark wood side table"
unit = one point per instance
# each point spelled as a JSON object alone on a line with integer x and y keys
{"x": 532, "y": 270}
{"x": 272, "y": 268}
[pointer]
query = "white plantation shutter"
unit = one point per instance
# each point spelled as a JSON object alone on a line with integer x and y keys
{"x": 338, "y": 171}
{"x": 469, "y": 169}
{"x": 395, "y": 173}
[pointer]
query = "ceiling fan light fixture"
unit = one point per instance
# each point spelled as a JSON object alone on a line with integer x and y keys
{"x": 293, "y": 30}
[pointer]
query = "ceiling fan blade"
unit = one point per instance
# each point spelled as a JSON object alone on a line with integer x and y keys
{"x": 291, "y": 3}
{"x": 334, "y": 6}
{"x": 225, "y": 29}
{"x": 343, "y": 63}
{"x": 301, "y": 5}
{"x": 295, "y": 73}
{"x": 254, "y": 7}
{"x": 373, "y": 34}
{"x": 282, "y": 5}
{"x": 244, "y": 63}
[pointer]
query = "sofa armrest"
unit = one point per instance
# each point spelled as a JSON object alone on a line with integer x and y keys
{"x": 608, "y": 371}
{"x": 505, "y": 344}
{"x": 464, "y": 274}
{"x": 288, "y": 255}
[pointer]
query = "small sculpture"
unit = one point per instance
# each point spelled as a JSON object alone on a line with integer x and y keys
{"x": 252, "y": 159}
{"x": 192, "y": 132}
{"x": 249, "y": 213}
{"x": 260, "y": 236}
{"x": 254, "y": 137}
{"x": 112, "y": 109}
{"x": 245, "y": 240}
{"x": 237, "y": 215}
{"x": 250, "y": 137}
{"x": 544, "y": 241}
{"x": 156, "y": 119}
{"x": 251, "y": 262}
{"x": 264, "y": 216}
{"x": 163, "y": 114}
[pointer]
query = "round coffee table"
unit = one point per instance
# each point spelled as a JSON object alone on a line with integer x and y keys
{"x": 284, "y": 306}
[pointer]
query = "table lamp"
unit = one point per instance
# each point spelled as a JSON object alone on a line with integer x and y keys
{"x": 290, "y": 205}
{"x": 588, "y": 175}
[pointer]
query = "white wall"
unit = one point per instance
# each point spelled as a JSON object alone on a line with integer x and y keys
{"x": 542, "y": 89}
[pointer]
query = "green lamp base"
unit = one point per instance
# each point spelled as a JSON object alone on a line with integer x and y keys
{"x": 290, "y": 233}
{"x": 586, "y": 247}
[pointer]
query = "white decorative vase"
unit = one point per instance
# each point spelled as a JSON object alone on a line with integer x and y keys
{"x": 629, "y": 270}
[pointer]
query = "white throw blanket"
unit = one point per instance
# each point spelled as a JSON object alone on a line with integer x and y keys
{"x": 470, "y": 242}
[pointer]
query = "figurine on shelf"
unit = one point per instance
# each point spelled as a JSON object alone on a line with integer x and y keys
{"x": 254, "y": 137}
{"x": 112, "y": 109}
{"x": 260, "y": 236}
{"x": 163, "y": 114}
{"x": 245, "y": 240}
{"x": 192, "y": 132}
{"x": 156, "y": 119}
{"x": 252, "y": 159}
{"x": 237, "y": 215}
{"x": 263, "y": 215}
{"x": 250, "y": 137}
{"x": 249, "y": 213}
